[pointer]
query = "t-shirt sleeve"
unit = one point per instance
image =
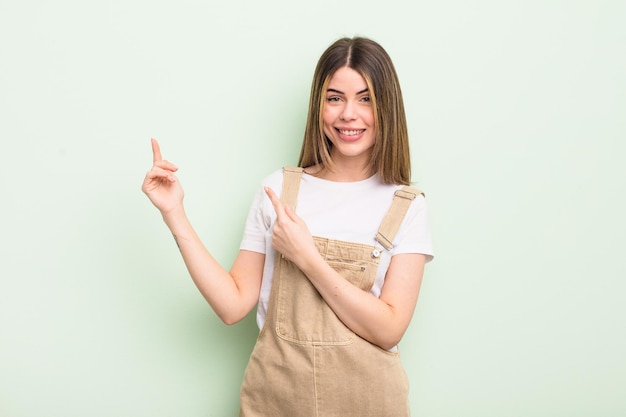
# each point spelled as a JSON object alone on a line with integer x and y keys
{"x": 261, "y": 216}
{"x": 256, "y": 227}
{"x": 414, "y": 234}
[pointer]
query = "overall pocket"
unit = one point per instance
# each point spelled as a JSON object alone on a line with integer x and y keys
{"x": 302, "y": 315}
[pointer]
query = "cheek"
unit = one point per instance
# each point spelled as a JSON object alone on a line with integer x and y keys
{"x": 368, "y": 117}
{"x": 328, "y": 116}
{"x": 328, "y": 119}
{"x": 326, "y": 122}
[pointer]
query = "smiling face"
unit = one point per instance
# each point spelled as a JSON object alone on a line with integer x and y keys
{"x": 348, "y": 118}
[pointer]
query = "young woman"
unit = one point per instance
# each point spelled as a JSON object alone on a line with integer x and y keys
{"x": 334, "y": 265}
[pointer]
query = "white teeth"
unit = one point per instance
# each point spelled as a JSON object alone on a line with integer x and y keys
{"x": 350, "y": 132}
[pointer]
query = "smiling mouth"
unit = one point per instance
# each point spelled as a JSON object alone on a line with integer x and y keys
{"x": 351, "y": 132}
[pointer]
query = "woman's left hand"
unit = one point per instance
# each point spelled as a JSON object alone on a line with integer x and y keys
{"x": 291, "y": 236}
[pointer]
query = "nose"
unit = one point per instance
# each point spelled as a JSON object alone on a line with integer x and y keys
{"x": 348, "y": 112}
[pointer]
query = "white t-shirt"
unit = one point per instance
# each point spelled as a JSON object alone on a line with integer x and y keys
{"x": 348, "y": 211}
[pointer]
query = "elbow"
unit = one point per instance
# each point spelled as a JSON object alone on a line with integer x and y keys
{"x": 231, "y": 319}
{"x": 233, "y": 316}
{"x": 387, "y": 340}
{"x": 229, "y": 322}
{"x": 388, "y": 345}
{"x": 231, "y": 313}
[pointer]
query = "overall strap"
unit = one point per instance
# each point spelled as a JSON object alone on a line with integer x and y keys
{"x": 291, "y": 185}
{"x": 391, "y": 222}
{"x": 289, "y": 197}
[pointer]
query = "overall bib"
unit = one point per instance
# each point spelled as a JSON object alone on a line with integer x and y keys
{"x": 306, "y": 362}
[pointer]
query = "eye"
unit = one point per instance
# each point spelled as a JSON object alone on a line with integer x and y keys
{"x": 366, "y": 99}
{"x": 332, "y": 98}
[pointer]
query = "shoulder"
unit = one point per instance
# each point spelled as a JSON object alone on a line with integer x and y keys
{"x": 273, "y": 180}
{"x": 419, "y": 205}
{"x": 411, "y": 192}
{"x": 417, "y": 209}
{"x": 390, "y": 191}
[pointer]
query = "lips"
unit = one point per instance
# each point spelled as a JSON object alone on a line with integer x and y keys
{"x": 351, "y": 132}
{"x": 350, "y": 135}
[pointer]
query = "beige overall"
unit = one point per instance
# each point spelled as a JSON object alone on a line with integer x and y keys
{"x": 306, "y": 362}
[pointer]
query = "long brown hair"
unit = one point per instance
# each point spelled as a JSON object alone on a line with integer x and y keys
{"x": 390, "y": 155}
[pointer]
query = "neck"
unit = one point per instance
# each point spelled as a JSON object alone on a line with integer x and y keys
{"x": 342, "y": 172}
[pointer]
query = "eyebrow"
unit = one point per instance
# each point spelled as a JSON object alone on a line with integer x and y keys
{"x": 332, "y": 90}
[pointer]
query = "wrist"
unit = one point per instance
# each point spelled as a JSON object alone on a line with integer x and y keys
{"x": 312, "y": 263}
{"x": 174, "y": 217}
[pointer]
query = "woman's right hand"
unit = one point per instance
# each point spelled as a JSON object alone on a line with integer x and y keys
{"x": 161, "y": 185}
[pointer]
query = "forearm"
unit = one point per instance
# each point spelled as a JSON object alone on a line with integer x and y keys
{"x": 374, "y": 319}
{"x": 228, "y": 296}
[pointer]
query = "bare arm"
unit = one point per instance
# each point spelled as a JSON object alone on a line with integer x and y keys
{"x": 231, "y": 294}
{"x": 382, "y": 321}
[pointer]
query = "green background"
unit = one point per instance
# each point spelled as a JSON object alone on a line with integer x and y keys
{"x": 516, "y": 112}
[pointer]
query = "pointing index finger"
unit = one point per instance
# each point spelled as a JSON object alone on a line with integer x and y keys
{"x": 156, "y": 151}
{"x": 278, "y": 206}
